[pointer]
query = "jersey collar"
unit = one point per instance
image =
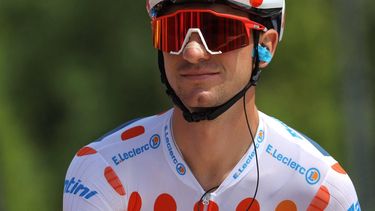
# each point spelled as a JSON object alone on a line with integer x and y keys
{"x": 177, "y": 164}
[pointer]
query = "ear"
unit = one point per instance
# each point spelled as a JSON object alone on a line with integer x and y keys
{"x": 269, "y": 39}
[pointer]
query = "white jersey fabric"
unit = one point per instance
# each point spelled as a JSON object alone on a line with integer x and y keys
{"x": 139, "y": 167}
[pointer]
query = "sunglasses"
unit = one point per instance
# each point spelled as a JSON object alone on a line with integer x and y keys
{"x": 219, "y": 33}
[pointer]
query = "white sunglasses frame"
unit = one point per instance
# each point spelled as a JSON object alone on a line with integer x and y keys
{"x": 187, "y": 38}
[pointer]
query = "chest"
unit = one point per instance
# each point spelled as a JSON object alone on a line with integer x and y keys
{"x": 163, "y": 190}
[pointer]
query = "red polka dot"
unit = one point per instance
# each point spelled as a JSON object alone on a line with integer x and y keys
{"x": 338, "y": 168}
{"x": 256, "y": 3}
{"x": 165, "y": 202}
{"x": 135, "y": 202}
{"x": 86, "y": 151}
{"x": 212, "y": 206}
{"x": 244, "y": 204}
{"x": 286, "y": 205}
{"x": 321, "y": 200}
{"x": 132, "y": 132}
{"x": 114, "y": 181}
{"x": 198, "y": 206}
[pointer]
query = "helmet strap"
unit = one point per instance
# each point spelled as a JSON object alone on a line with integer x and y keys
{"x": 211, "y": 113}
{"x": 255, "y": 74}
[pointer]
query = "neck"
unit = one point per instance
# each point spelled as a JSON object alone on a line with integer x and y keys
{"x": 203, "y": 144}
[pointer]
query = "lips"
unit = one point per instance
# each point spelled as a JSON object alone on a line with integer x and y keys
{"x": 200, "y": 75}
{"x": 202, "y": 71}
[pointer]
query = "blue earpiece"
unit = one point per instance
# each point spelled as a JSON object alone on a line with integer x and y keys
{"x": 264, "y": 54}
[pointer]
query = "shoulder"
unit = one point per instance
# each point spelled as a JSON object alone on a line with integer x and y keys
{"x": 338, "y": 190}
{"x": 90, "y": 179}
{"x": 95, "y": 180}
{"x": 132, "y": 129}
{"x": 325, "y": 179}
{"x": 289, "y": 136}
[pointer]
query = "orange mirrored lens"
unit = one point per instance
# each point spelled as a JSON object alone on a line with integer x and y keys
{"x": 221, "y": 33}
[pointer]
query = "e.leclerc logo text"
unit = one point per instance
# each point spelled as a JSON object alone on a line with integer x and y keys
{"x": 153, "y": 143}
{"x": 180, "y": 167}
{"x": 312, "y": 175}
{"x": 250, "y": 156}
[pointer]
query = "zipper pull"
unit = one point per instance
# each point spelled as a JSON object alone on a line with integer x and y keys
{"x": 206, "y": 199}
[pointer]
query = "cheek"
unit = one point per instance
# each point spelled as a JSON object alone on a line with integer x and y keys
{"x": 238, "y": 63}
{"x": 245, "y": 56}
{"x": 170, "y": 63}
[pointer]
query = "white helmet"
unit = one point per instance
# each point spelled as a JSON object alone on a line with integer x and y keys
{"x": 270, "y": 13}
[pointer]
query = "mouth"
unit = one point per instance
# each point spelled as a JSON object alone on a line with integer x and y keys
{"x": 205, "y": 70}
{"x": 200, "y": 76}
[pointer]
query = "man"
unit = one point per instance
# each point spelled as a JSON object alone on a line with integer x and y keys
{"x": 214, "y": 150}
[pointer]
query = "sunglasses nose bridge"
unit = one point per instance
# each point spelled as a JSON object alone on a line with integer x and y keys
{"x": 194, "y": 37}
{"x": 195, "y": 34}
{"x": 194, "y": 52}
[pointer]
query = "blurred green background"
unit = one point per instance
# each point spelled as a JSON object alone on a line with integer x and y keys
{"x": 71, "y": 71}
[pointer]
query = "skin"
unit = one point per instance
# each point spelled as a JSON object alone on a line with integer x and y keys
{"x": 204, "y": 80}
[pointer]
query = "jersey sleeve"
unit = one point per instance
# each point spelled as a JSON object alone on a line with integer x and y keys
{"x": 339, "y": 191}
{"x": 92, "y": 184}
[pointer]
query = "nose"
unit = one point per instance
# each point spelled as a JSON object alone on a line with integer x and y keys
{"x": 194, "y": 51}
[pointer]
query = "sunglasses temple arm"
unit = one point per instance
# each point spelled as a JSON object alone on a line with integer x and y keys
{"x": 256, "y": 26}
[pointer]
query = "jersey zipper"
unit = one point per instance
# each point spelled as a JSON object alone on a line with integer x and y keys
{"x": 206, "y": 201}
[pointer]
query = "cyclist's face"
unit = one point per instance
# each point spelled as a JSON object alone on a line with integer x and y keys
{"x": 204, "y": 80}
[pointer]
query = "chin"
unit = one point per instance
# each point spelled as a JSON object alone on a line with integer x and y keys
{"x": 200, "y": 103}
{"x": 200, "y": 98}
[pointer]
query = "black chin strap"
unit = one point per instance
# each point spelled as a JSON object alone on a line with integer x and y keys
{"x": 211, "y": 113}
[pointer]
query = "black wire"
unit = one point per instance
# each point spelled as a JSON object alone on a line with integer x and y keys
{"x": 256, "y": 159}
{"x": 209, "y": 191}
{"x": 256, "y": 154}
